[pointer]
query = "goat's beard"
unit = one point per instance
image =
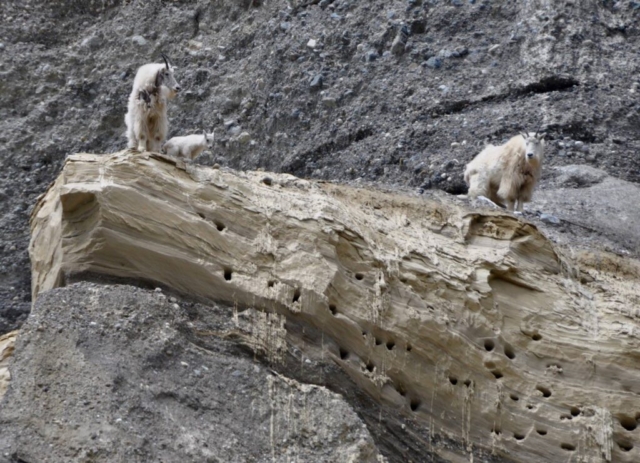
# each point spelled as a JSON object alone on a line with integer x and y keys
{"x": 167, "y": 93}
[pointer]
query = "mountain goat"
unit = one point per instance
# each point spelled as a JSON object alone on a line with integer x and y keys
{"x": 189, "y": 146}
{"x": 507, "y": 174}
{"x": 146, "y": 117}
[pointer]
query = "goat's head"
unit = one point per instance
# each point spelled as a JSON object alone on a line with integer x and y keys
{"x": 533, "y": 146}
{"x": 165, "y": 80}
{"x": 208, "y": 138}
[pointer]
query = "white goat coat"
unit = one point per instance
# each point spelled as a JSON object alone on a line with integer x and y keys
{"x": 188, "y": 146}
{"x": 147, "y": 123}
{"x": 504, "y": 174}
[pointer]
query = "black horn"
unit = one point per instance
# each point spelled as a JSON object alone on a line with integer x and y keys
{"x": 166, "y": 60}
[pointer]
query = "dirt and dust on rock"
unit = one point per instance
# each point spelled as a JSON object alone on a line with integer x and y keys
{"x": 399, "y": 94}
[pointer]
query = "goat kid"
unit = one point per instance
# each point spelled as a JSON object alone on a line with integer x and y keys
{"x": 189, "y": 146}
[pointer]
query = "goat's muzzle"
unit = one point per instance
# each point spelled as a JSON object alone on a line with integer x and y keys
{"x": 529, "y": 155}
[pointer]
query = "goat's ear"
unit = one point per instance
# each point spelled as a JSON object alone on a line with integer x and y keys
{"x": 159, "y": 77}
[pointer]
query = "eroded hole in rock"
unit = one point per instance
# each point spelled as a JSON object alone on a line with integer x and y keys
{"x": 296, "y": 295}
{"x": 409, "y": 347}
{"x": 401, "y": 390}
{"x": 267, "y": 181}
{"x": 497, "y": 374}
{"x": 271, "y": 283}
{"x": 467, "y": 382}
{"x": 343, "y": 354}
{"x": 489, "y": 345}
{"x": 496, "y": 429}
{"x": 625, "y": 446}
{"x": 453, "y": 380}
{"x": 628, "y": 422}
{"x": 514, "y": 397}
{"x": 575, "y": 411}
{"x": 201, "y": 215}
{"x": 414, "y": 404}
{"x": 334, "y": 310}
{"x": 542, "y": 432}
{"x": 390, "y": 345}
{"x": 546, "y": 392}
{"x": 536, "y": 336}
{"x": 529, "y": 407}
{"x": 359, "y": 276}
{"x": 509, "y": 352}
{"x": 518, "y": 436}
{"x": 219, "y": 225}
{"x": 227, "y": 274}
{"x": 371, "y": 366}
{"x": 489, "y": 365}
{"x": 568, "y": 447}
{"x": 378, "y": 341}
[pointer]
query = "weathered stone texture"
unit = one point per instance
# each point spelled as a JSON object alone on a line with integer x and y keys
{"x": 471, "y": 324}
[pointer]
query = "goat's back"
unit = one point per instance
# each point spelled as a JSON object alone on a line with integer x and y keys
{"x": 146, "y": 74}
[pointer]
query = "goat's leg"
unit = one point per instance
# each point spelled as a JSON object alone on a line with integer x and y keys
{"x": 510, "y": 205}
{"x": 140, "y": 131}
{"x": 477, "y": 186}
{"x": 132, "y": 142}
{"x": 142, "y": 144}
{"x": 155, "y": 144}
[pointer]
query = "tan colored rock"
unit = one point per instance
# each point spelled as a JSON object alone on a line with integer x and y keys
{"x": 7, "y": 343}
{"x": 472, "y": 324}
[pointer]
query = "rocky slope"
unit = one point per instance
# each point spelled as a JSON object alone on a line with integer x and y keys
{"x": 400, "y": 93}
{"x": 451, "y": 334}
{"x": 127, "y": 375}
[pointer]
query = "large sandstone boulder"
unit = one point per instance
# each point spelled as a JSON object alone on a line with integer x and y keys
{"x": 463, "y": 334}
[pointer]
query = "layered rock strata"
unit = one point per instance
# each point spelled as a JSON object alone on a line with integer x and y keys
{"x": 466, "y": 326}
{"x": 7, "y": 343}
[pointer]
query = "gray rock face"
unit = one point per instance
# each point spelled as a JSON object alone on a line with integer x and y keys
{"x": 599, "y": 209}
{"x": 122, "y": 374}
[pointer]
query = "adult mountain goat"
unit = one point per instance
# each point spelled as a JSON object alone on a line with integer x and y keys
{"x": 507, "y": 174}
{"x": 146, "y": 117}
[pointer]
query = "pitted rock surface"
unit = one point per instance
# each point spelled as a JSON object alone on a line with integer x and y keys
{"x": 470, "y": 331}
